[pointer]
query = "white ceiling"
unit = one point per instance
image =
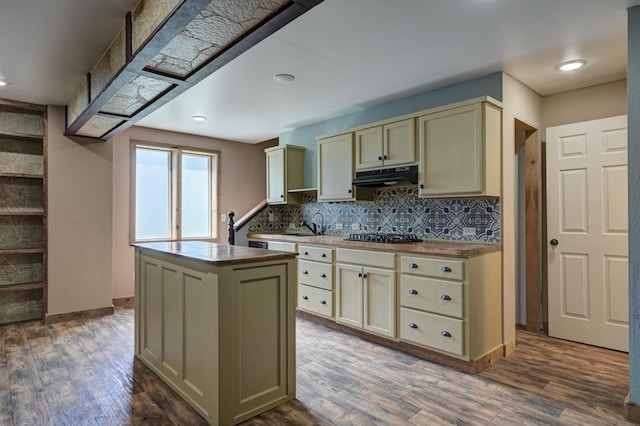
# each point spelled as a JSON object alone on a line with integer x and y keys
{"x": 346, "y": 55}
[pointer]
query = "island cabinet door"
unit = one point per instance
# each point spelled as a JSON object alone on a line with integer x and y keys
{"x": 260, "y": 357}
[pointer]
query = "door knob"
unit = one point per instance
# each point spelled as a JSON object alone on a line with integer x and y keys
{"x": 553, "y": 242}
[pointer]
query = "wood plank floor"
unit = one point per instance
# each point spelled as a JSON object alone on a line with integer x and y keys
{"x": 83, "y": 373}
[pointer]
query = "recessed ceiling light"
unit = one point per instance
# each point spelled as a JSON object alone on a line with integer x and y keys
{"x": 199, "y": 118}
{"x": 284, "y": 78}
{"x": 4, "y": 83}
{"x": 572, "y": 65}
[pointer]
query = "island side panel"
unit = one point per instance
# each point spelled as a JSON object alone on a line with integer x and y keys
{"x": 261, "y": 334}
{"x": 176, "y": 327}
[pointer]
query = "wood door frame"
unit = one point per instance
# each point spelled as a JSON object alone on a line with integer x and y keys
{"x": 533, "y": 286}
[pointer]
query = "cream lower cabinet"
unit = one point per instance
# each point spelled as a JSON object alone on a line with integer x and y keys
{"x": 460, "y": 151}
{"x": 366, "y": 294}
{"x": 452, "y": 305}
{"x": 315, "y": 280}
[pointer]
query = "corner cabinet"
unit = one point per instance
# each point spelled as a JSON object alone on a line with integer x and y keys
{"x": 335, "y": 170}
{"x": 388, "y": 145}
{"x": 460, "y": 151}
{"x": 285, "y": 171}
{"x": 23, "y": 254}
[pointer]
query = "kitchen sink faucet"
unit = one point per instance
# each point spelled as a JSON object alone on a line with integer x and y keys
{"x": 313, "y": 226}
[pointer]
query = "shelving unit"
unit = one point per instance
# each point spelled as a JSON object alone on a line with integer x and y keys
{"x": 23, "y": 211}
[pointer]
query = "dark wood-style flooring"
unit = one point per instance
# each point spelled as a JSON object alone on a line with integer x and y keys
{"x": 84, "y": 373}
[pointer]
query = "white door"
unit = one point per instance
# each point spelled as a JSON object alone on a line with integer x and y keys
{"x": 587, "y": 232}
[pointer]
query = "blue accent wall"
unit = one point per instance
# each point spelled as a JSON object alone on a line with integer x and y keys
{"x": 633, "y": 99}
{"x": 490, "y": 85}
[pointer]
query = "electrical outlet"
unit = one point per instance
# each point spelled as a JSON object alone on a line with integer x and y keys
{"x": 338, "y": 227}
{"x": 469, "y": 231}
{"x": 355, "y": 226}
{"x": 271, "y": 218}
{"x": 292, "y": 225}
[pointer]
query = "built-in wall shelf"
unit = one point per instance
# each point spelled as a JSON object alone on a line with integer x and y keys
{"x": 23, "y": 211}
{"x": 302, "y": 190}
{"x": 21, "y": 287}
{"x": 21, "y": 136}
{"x": 21, "y": 175}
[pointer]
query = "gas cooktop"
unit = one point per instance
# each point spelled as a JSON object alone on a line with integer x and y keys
{"x": 375, "y": 237}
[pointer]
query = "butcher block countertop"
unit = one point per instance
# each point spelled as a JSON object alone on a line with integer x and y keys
{"x": 215, "y": 254}
{"x": 427, "y": 247}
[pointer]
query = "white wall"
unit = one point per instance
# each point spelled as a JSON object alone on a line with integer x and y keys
{"x": 79, "y": 221}
{"x": 523, "y": 104}
{"x": 242, "y": 187}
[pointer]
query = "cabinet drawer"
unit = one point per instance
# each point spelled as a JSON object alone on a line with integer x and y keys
{"x": 282, "y": 246}
{"x": 364, "y": 257}
{"x": 315, "y": 274}
{"x": 319, "y": 254}
{"x": 315, "y": 300}
{"x": 436, "y": 331}
{"x": 433, "y": 267}
{"x": 428, "y": 294}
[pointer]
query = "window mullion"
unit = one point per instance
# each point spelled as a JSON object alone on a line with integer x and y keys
{"x": 176, "y": 233}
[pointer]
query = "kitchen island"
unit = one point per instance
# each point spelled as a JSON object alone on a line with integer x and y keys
{"x": 217, "y": 323}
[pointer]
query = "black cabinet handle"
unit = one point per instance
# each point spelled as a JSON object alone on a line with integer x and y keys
{"x": 413, "y": 325}
{"x": 445, "y": 297}
{"x": 421, "y": 186}
{"x": 384, "y": 158}
{"x": 412, "y": 291}
{"x": 379, "y": 158}
{"x": 323, "y": 275}
{"x": 359, "y": 274}
{"x": 364, "y": 276}
{"x": 305, "y": 297}
{"x": 306, "y": 253}
{"x": 323, "y": 255}
{"x": 445, "y": 269}
{"x": 282, "y": 196}
{"x": 324, "y": 302}
{"x": 445, "y": 334}
{"x": 350, "y": 191}
{"x": 305, "y": 272}
{"x": 413, "y": 266}
{"x": 553, "y": 242}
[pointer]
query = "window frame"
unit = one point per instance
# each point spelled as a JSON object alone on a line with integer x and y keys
{"x": 175, "y": 201}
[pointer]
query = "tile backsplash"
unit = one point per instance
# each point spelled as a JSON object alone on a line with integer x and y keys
{"x": 394, "y": 210}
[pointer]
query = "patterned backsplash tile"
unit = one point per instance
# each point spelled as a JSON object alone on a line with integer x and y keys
{"x": 394, "y": 210}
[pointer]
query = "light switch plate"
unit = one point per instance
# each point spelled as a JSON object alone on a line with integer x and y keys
{"x": 223, "y": 217}
{"x": 271, "y": 219}
{"x": 469, "y": 231}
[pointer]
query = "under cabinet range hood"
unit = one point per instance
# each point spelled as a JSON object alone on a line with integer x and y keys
{"x": 385, "y": 177}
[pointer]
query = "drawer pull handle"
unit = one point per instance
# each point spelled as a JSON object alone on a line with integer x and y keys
{"x": 445, "y": 297}
{"x": 359, "y": 274}
{"x": 305, "y": 272}
{"x": 323, "y": 275}
{"x": 364, "y": 276}
{"x": 324, "y": 302}
{"x": 306, "y": 253}
{"x": 413, "y": 325}
{"x": 305, "y": 297}
{"x": 323, "y": 255}
{"x": 445, "y": 269}
{"x": 445, "y": 334}
{"x": 413, "y": 266}
{"x": 413, "y": 291}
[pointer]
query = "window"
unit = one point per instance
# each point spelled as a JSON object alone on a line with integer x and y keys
{"x": 174, "y": 193}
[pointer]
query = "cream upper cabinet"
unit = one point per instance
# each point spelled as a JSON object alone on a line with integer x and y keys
{"x": 386, "y": 145}
{"x": 335, "y": 170}
{"x": 460, "y": 151}
{"x": 285, "y": 171}
{"x": 365, "y": 294}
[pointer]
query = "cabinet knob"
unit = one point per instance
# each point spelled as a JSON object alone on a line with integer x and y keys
{"x": 413, "y": 325}
{"x": 323, "y": 255}
{"x": 305, "y": 297}
{"x": 323, "y": 302}
{"x": 379, "y": 158}
{"x": 323, "y": 275}
{"x": 413, "y": 266}
{"x": 282, "y": 196}
{"x": 384, "y": 157}
{"x": 413, "y": 291}
{"x": 306, "y": 253}
{"x": 350, "y": 191}
{"x": 364, "y": 275}
{"x": 445, "y": 334}
{"x": 305, "y": 272}
{"x": 445, "y": 297}
{"x": 445, "y": 269}
{"x": 553, "y": 242}
{"x": 421, "y": 186}
{"x": 359, "y": 274}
